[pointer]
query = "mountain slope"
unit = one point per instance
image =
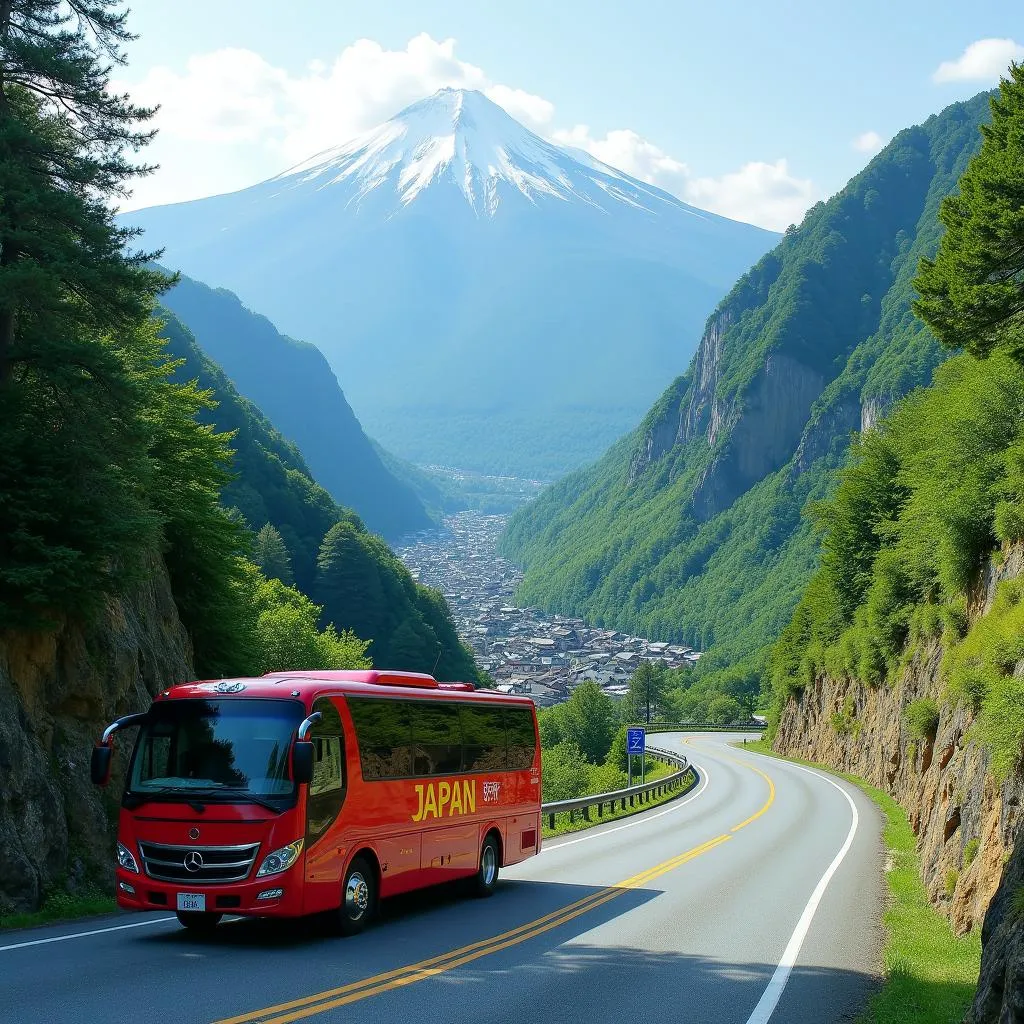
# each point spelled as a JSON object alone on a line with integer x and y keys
{"x": 490, "y": 300}
{"x": 408, "y": 624}
{"x": 294, "y": 386}
{"x": 690, "y": 528}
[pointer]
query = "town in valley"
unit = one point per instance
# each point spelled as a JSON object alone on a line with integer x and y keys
{"x": 523, "y": 649}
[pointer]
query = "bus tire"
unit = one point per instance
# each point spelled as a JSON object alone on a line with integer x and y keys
{"x": 487, "y": 871}
{"x": 358, "y": 897}
{"x": 202, "y": 922}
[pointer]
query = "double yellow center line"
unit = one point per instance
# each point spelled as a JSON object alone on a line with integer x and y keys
{"x": 298, "y": 1009}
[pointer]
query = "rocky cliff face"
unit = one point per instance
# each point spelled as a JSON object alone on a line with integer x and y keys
{"x": 58, "y": 689}
{"x": 756, "y": 433}
{"x": 968, "y": 826}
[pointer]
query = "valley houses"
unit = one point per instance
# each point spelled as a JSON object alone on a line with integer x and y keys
{"x": 524, "y": 650}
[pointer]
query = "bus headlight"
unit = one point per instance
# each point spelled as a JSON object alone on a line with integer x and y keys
{"x": 280, "y": 860}
{"x": 126, "y": 859}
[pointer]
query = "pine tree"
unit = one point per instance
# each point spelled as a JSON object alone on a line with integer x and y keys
{"x": 972, "y": 293}
{"x": 79, "y": 369}
{"x": 271, "y": 554}
{"x": 63, "y": 138}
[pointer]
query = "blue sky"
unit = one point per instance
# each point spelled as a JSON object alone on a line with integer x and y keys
{"x": 750, "y": 108}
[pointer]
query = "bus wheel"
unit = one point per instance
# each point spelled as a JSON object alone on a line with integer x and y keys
{"x": 358, "y": 897}
{"x": 487, "y": 873}
{"x": 199, "y": 921}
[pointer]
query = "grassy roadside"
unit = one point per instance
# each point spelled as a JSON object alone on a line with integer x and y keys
{"x": 563, "y": 825}
{"x": 930, "y": 973}
{"x": 61, "y": 906}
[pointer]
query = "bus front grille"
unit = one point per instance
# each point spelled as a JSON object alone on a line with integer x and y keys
{"x": 208, "y": 865}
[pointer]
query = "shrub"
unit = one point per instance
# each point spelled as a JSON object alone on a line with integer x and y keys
{"x": 922, "y": 717}
{"x": 952, "y": 877}
{"x": 970, "y": 852}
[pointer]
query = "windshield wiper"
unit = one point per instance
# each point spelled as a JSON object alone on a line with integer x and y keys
{"x": 194, "y": 794}
{"x": 244, "y": 796}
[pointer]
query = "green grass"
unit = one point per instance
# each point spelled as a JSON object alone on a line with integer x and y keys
{"x": 61, "y": 906}
{"x": 563, "y": 824}
{"x": 930, "y": 973}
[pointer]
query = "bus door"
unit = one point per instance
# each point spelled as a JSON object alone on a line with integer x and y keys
{"x": 325, "y": 850}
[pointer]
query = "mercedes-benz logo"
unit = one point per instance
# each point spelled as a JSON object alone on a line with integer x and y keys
{"x": 193, "y": 860}
{"x": 193, "y": 834}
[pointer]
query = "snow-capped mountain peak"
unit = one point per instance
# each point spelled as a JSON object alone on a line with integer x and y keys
{"x": 461, "y": 137}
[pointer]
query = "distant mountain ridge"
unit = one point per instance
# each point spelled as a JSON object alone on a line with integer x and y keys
{"x": 488, "y": 299}
{"x": 691, "y": 527}
{"x": 292, "y": 383}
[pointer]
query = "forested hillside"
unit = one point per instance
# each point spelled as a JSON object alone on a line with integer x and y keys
{"x": 692, "y": 528}
{"x": 934, "y": 488}
{"x": 360, "y": 584}
{"x": 294, "y": 386}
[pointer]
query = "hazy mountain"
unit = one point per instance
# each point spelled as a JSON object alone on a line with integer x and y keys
{"x": 487, "y": 298}
{"x": 294, "y": 386}
{"x": 691, "y": 528}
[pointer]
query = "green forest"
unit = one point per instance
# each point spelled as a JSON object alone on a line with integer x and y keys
{"x": 939, "y": 485}
{"x": 123, "y": 446}
{"x": 622, "y": 542}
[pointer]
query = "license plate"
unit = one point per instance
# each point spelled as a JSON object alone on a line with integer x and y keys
{"x": 191, "y": 901}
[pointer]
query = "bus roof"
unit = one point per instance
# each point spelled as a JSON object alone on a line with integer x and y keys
{"x": 307, "y": 684}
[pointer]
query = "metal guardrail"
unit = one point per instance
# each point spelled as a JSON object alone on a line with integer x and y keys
{"x": 656, "y": 727}
{"x": 641, "y": 793}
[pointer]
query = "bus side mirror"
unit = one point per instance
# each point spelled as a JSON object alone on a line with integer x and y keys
{"x": 302, "y": 761}
{"x": 100, "y": 765}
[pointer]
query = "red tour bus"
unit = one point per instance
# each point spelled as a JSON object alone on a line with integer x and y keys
{"x": 304, "y": 792}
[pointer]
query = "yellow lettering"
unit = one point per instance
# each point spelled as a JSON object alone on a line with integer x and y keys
{"x": 444, "y": 792}
{"x": 469, "y": 796}
{"x": 430, "y": 807}
{"x": 456, "y": 806}
{"x": 418, "y": 816}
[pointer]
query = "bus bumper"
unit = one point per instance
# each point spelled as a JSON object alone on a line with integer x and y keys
{"x": 263, "y": 897}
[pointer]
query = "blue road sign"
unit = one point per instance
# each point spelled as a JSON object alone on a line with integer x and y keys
{"x": 635, "y": 741}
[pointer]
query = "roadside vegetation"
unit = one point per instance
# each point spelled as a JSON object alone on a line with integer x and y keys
{"x": 61, "y": 905}
{"x": 583, "y": 744}
{"x": 930, "y": 973}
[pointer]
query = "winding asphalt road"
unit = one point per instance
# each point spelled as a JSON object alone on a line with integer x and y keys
{"x": 755, "y": 897}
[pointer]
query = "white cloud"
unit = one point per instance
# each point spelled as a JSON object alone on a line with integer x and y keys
{"x": 982, "y": 61}
{"x": 230, "y": 118}
{"x": 759, "y": 193}
{"x": 868, "y": 142}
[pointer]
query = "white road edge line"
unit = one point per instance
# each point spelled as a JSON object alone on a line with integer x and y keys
{"x": 641, "y": 818}
{"x": 773, "y": 993}
{"x": 82, "y": 935}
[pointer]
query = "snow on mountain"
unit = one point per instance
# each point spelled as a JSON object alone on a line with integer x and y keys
{"x": 486, "y": 299}
{"x": 462, "y": 136}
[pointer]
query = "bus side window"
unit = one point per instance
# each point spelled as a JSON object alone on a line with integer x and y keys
{"x": 384, "y": 733}
{"x": 327, "y": 788}
{"x": 437, "y": 739}
{"x": 522, "y": 739}
{"x": 483, "y": 739}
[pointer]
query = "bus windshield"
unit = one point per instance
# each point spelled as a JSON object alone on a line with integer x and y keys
{"x": 229, "y": 750}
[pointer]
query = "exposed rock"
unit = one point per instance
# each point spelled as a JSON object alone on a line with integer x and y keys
{"x": 828, "y": 431}
{"x": 872, "y": 411}
{"x": 763, "y": 436}
{"x": 58, "y": 689}
{"x": 704, "y": 413}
